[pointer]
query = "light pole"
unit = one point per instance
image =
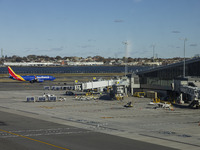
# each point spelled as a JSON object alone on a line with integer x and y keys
{"x": 184, "y": 41}
{"x": 125, "y": 43}
{"x": 153, "y": 51}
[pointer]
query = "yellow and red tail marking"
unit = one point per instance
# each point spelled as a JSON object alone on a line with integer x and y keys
{"x": 14, "y": 75}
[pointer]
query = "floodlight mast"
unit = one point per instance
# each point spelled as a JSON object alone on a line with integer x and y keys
{"x": 153, "y": 51}
{"x": 184, "y": 41}
{"x": 125, "y": 61}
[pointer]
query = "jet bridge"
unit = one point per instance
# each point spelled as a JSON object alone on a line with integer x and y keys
{"x": 99, "y": 84}
{"x": 105, "y": 83}
{"x": 188, "y": 90}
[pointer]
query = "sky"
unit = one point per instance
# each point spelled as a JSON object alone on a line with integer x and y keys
{"x": 100, "y": 27}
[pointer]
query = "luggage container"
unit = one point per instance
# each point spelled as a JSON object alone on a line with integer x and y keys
{"x": 41, "y": 99}
{"x": 30, "y": 99}
{"x": 52, "y": 98}
{"x": 46, "y": 87}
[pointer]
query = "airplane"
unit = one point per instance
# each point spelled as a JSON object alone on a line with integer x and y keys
{"x": 31, "y": 79}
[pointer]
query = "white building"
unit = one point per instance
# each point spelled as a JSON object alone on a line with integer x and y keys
{"x": 84, "y": 63}
{"x": 29, "y": 64}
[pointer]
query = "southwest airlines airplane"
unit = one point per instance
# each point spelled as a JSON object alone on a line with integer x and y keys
{"x": 31, "y": 79}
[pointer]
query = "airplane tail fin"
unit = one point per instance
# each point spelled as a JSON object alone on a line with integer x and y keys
{"x": 14, "y": 75}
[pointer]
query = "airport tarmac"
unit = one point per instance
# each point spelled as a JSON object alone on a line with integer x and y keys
{"x": 18, "y": 132}
{"x": 177, "y": 128}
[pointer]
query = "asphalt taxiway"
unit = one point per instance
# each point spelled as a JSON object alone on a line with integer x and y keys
{"x": 94, "y": 124}
{"x": 21, "y": 133}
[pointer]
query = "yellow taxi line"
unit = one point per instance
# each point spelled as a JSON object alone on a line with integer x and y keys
{"x": 33, "y": 139}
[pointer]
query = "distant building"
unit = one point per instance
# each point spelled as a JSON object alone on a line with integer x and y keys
{"x": 153, "y": 63}
{"x": 84, "y": 63}
{"x": 30, "y": 64}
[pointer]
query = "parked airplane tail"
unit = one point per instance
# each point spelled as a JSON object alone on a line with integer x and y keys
{"x": 15, "y": 76}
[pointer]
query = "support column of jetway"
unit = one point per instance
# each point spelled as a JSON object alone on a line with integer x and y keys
{"x": 134, "y": 83}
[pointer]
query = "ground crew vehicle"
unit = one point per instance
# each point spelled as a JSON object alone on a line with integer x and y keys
{"x": 139, "y": 94}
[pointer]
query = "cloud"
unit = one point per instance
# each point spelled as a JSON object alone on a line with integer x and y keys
{"x": 118, "y": 21}
{"x": 46, "y": 50}
{"x": 28, "y": 50}
{"x": 53, "y": 49}
{"x": 86, "y": 46}
{"x": 176, "y": 31}
{"x": 91, "y": 40}
{"x": 193, "y": 45}
{"x": 172, "y": 46}
{"x": 49, "y": 40}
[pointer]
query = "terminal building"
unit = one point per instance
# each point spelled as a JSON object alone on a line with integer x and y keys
{"x": 162, "y": 78}
{"x": 180, "y": 81}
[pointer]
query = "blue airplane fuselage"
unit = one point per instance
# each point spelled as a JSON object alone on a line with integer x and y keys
{"x": 40, "y": 78}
